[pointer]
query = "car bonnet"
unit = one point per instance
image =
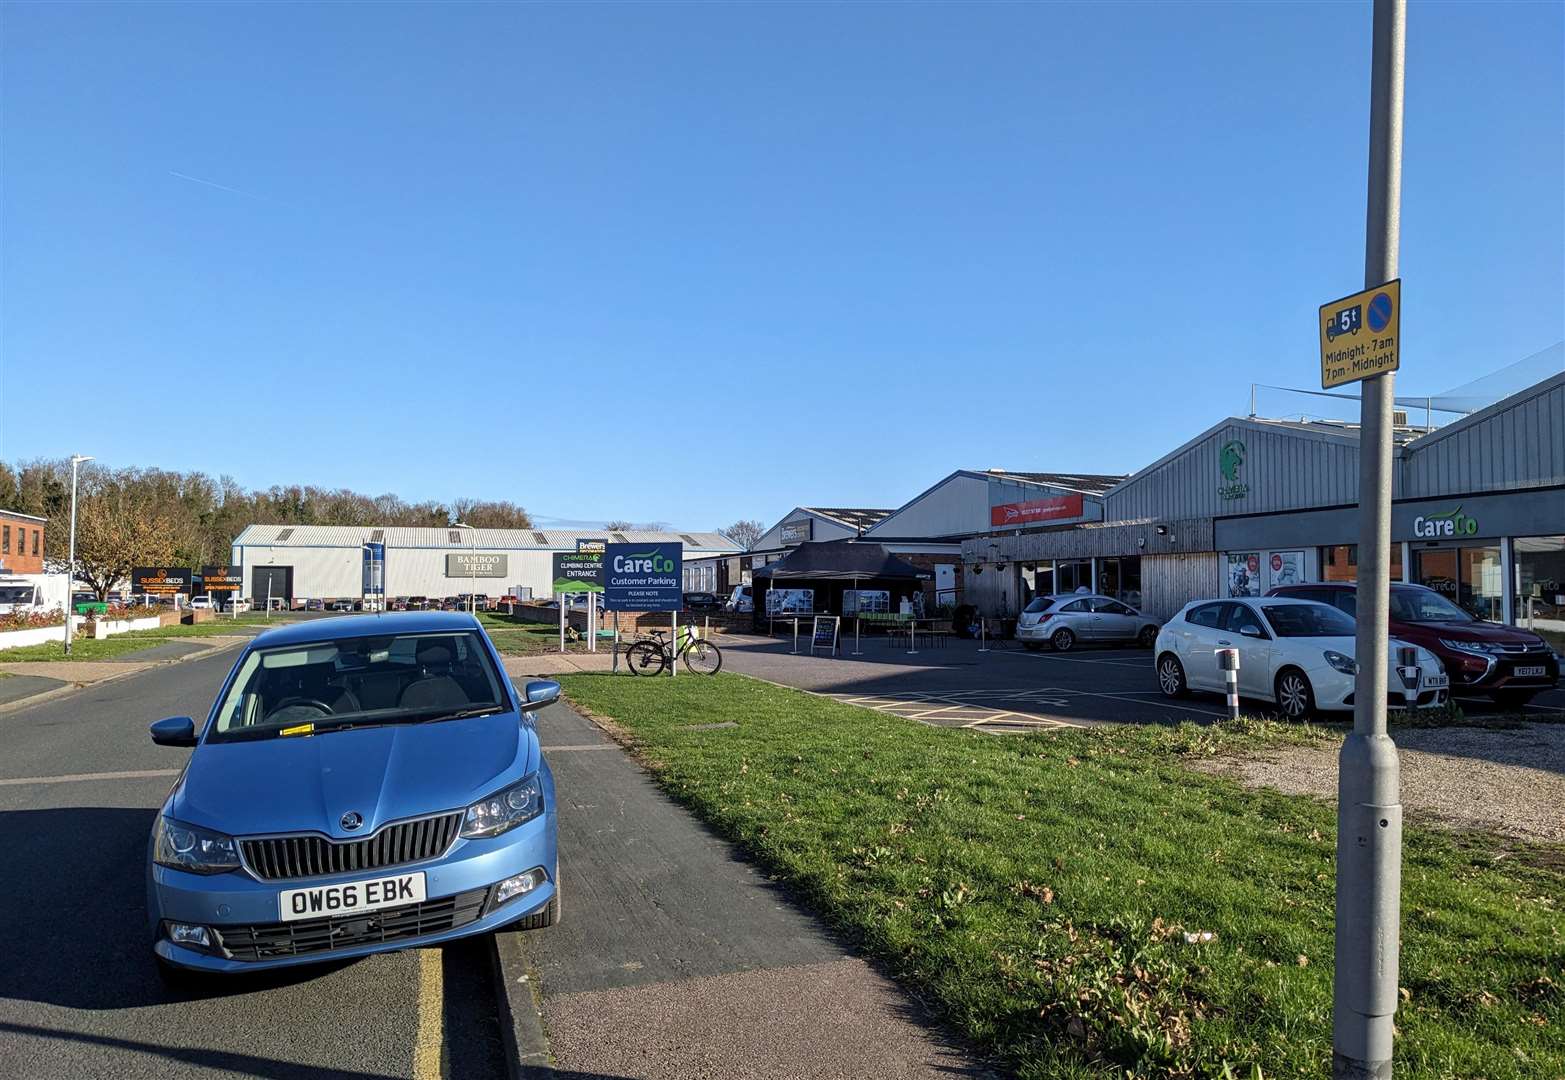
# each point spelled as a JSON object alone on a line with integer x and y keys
{"x": 308, "y": 783}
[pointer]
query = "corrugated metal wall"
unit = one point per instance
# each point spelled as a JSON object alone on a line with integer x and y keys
{"x": 1520, "y": 445}
{"x": 322, "y": 573}
{"x": 955, "y": 508}
{"x": 1284, "y": 469}
{"x": 1169, "y": 582}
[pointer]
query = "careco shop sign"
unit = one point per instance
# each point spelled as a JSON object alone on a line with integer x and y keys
{"x": 643, "y": 577}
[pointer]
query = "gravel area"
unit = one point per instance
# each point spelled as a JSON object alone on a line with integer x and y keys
{"x": 1507, "y": 780}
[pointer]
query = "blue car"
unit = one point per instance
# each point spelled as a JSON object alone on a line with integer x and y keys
{"x": 363, "y": 784}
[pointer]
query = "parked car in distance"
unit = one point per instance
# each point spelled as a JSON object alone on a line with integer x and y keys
{"x": 1072, "y": 619}
{"x": 1298, "y": 654}
{"x": 202, "y": 603}
{"x": 235, "y": 605}
{"x": 1507, "y": 664}
{"x": 702, "y": 601}
{"x": 361, "y": 786}
{"x": 340, "y": 605}
{"x": 741, "y": 599}
{"x": 315, "y": 604}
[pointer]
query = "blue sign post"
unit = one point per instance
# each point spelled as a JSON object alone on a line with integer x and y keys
{"x": 644, "y": 577}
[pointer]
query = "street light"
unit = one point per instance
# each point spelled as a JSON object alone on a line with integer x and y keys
{"x": 472, "y": 566}
{"x": 70, "y": 562}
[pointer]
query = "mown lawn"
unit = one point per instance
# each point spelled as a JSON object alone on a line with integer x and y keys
{"x": 86, "y": 648}
{"x": 518, "y": 637}
{"x": 1037, "y": 891}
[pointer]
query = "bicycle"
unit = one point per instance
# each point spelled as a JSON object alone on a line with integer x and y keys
{"x": 651, "y": 655}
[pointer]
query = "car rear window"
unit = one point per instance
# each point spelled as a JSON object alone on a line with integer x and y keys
{"x": 1039, "y": 603}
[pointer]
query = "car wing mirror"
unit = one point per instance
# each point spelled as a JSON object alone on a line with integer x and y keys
{"x": 175, "y": 731}
{"x": 1251, "y": 631}
{"x": 540, "y": 692}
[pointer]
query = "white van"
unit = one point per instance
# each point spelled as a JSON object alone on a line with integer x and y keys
{"x": 18, "y": 595}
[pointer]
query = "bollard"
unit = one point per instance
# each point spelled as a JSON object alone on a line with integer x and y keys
{"x": 856, "y": 636}
{"x": 1228, "y": 661}
{"x": 912, "y": 637}
{"x": 1407, "y": 667}
{"x": 983, "y": 635}
{"x": 796, "y": 636}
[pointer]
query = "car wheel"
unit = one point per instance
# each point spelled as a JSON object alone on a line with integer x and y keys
{"x": 1513, "y": 699}
{"x": 1171, "y": 676}
{"x": 1148, "y": 637}
{"x": 1063, "y": 640}
{"x": 1295, "y": 699}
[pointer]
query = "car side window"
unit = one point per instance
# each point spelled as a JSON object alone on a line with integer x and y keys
{"x": 1075, "y": 607}
{"x": 1347, "y": 600}
{"x": 1113, "y": 607}
{"x": 1209, "y": 615}
{"x": 1240, "y": 616}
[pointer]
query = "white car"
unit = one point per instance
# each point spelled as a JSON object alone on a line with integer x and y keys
{"x": 202, "y": 603}
{"x": 740, "y": 600}
{"x": 1297, "y": 654}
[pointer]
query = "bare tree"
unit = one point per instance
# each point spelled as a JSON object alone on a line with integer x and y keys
{"x": 744, "y": 532}
{"x": 617, "y": 526}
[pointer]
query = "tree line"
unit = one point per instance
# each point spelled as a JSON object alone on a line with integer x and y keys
{"x": 129, "y": 516}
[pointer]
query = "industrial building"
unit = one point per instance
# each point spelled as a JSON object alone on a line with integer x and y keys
{"x": 306, "y": 562}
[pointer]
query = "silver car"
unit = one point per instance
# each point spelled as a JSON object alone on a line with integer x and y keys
{"x": 1082, "y": 618}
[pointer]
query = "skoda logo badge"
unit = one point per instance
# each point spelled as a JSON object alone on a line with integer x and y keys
{"x": 351, "y": 821}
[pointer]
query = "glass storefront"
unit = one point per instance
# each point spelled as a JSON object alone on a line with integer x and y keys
{"x": 1121, "y": 579}
{"x": 1470, "y": 576}
{"x": 1072, "y": 574}
{"x": 1341, "y": 562}
{"x": 1539, "y": 594}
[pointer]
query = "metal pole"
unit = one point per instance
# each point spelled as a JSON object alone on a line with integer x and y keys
{"x": 268, "y": 597}
{"x": 70, "y": 562}
{"x": 472, "y": 584}
{"x": 983, "y": 634}
{"x": 673, "y": 659}
{"x": 1369, "y": 807}
{"x": 856, "y": 621}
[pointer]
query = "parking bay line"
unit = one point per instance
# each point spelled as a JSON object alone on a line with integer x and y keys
{"x": 76, "y": 778}
{"x": 431, "y": 1004}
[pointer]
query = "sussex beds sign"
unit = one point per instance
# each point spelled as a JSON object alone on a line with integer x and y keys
{"x": 160, "y": 580}
{"x": 1033, "y": 511}
{"x": 643, "y": 577}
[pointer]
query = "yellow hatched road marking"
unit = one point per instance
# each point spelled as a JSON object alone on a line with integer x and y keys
{"x": 431, "y": 1007}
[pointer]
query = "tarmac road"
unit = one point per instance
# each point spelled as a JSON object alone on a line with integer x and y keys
{"x": 80, "y": 782}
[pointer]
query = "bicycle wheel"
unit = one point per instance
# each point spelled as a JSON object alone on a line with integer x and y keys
{"x": 703, "y": 658}
{"x": 645, "y": 658}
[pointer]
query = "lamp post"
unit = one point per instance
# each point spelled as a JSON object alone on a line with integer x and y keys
{"x": 472, "y": 566}
{"x": 70, "y": 562}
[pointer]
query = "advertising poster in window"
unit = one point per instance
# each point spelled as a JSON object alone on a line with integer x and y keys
{"x": 1244, "y": 573}
{"x": 790, "y": 601}
{"x": 1287, "y": 568}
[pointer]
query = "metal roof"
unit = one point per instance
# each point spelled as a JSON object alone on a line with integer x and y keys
{"x": 852, "y": 518}
{"x": 351, "y": 536}
{"x": 1087, "y": 483}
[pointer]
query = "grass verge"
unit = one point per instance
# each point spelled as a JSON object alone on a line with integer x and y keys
{"x": 518, "y": 637}
{"x": 1039, "y": 891}
{"x": 121, "y": 644}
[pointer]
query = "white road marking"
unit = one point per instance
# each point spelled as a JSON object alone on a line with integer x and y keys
{"x": 76, "y": 778}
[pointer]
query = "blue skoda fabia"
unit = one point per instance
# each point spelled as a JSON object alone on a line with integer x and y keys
{"x": 362, "y": 785}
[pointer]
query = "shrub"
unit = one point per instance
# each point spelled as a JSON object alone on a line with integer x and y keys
{"x": 31, "y": 620}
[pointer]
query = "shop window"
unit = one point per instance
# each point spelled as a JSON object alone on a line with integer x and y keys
{"x": 1469, "y": 576}
{"x": 1072, "y": 574}
{"x": 1540, "y": 586}
{"x": 5, "y": 544}
{"x": 1244, "y": 573}
{"x": 36, "y": 534}
{"x": 1341, "y": 562}
{"x": 1121, "y": 579}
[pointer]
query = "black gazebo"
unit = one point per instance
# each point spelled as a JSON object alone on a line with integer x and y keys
{"x": 830, "y": 567}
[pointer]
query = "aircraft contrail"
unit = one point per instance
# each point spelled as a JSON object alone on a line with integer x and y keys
{"x": 211, "y": 183}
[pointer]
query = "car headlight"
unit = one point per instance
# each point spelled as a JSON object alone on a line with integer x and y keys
{"x": 1345, "y": 664}
{"x": 1477, "y": 648}
{"x": 505, "y": 809}
{"x": 197, "y": 850}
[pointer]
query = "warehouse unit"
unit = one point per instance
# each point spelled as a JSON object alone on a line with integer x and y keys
{"x": 1478, "y": 513}
{"x": 298, "y": 562}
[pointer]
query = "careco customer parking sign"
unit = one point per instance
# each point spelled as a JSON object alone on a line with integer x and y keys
{"x": 643, "y": 577}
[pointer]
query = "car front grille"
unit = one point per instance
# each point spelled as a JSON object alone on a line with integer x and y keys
{"x": 271, "y": 941}
{"x": 307, "y": 855}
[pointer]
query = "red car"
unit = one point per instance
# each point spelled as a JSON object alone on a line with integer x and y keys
{"x": 1506, "y": 663}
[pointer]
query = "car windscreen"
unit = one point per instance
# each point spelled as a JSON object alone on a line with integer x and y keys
{"x": 1307, "y": 620}
{"x": 1039, "y": 603}
{"x": 16, "y": 594}
{"x": 1419, "y": 605}
{"x": 318, "y": 686}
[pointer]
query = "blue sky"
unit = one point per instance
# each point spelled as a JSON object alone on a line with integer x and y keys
{"x": 695, "y": 263}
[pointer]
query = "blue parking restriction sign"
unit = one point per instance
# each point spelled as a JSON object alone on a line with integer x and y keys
{"x": 1379, "y": 312}
{"x": 643, "y": 577}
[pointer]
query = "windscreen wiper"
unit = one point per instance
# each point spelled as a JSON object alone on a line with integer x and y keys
{"x": 485, "y": 710}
